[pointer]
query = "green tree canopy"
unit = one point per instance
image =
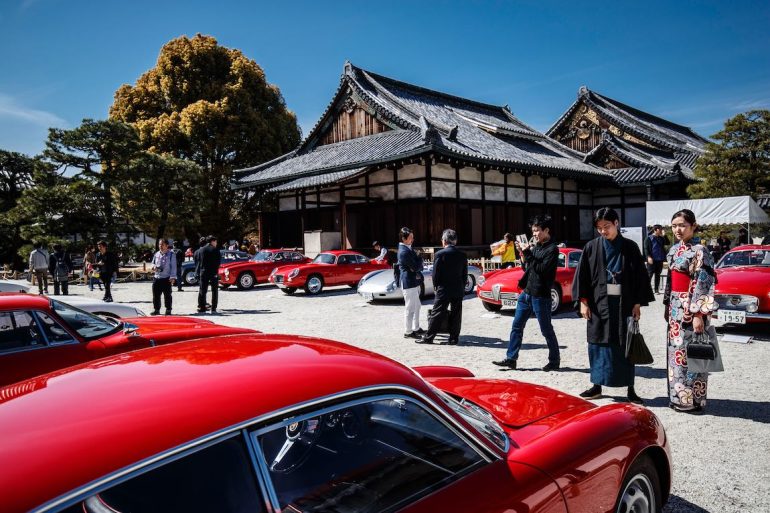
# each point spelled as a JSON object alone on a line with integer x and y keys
{"x": 739, "y": 162}
{"x": 213, "y": 106}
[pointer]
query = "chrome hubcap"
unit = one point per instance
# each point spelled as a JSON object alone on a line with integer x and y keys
{"x": 246, "y": 280}
{"x": 638, "y": 496}
{"x": 314, "y": 284}
{"x": 191, "y": 277}
{"x": 468, "y": 284}
{"x": 554, "y": 300}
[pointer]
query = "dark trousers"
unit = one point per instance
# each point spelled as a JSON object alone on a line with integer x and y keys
{"x": 65, "y": 286}
{"x": 179, "y": 277}
{"x": 541, "y": 307}
{"x": 42, "y": 280}
{"x": 161, "y": 286}
{"x": 655, "y": 269}
{"x": 205, "y": 281}
{"x": 441, "y": 308}
{"x": 107, "y": 280}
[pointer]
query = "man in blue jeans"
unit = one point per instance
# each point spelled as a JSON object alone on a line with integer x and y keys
{"x": 540, "y": 262}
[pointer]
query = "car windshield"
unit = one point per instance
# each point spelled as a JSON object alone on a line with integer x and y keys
{"x": 743, "y": 258}
{"x": 324, "y": 258}
{"x": 263, "y": 256}
{"x": 86, "y": 324}
{"x": 478, "y": 417}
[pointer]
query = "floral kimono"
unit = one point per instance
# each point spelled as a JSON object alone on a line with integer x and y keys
{"x": 689, "y": 291}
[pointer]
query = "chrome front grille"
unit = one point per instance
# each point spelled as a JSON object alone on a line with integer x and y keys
{"x": 735, "y": 301}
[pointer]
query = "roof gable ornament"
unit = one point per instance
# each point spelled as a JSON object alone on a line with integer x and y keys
{"x": 429, "y": 133}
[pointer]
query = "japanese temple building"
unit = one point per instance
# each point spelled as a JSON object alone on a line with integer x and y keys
{"x": 387, "y": 154}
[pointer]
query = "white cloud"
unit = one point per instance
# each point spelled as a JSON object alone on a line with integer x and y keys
{"x": 11, "y": 108}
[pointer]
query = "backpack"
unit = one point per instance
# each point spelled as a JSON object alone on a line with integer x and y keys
{"x": 61, "y": 273}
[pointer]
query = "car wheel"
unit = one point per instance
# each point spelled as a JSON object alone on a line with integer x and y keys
{"x": 245, "y": 281}
{"x": 353, "y": 285}
{"x": 555, "y": 299}
{"x": 470, "y": 282}
{"x": 190, "y": 278}
{"x": 314, "y": 284}
{"x": 289, "y": 290}
{"x": 640, "y": 491}
{"x": 491, "y": 307}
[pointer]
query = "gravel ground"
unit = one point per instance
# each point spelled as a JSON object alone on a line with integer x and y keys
{"x": 721, "y": 459}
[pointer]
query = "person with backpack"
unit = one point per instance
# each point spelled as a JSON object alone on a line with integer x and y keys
{"x": 38, "y": 267}
{"x": 60, "y": 267}
{"x": 179, "y": 254}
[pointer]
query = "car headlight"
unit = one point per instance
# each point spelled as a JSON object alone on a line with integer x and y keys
{"x": 361, "y": 281}
{"x": 752, "y": 307}
{"x": 481, "y": 280}
{"x": 293, "y": 274}
{"x": 391, "y": 287}
{"x": 227, "y": 273}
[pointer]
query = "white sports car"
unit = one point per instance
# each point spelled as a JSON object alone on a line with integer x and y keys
{"x": 95, "y": 306}
{"x": 379, "y": 285}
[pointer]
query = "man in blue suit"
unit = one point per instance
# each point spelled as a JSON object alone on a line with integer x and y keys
{"x": 410, "y": 270}
{"x": 450, "y": 272}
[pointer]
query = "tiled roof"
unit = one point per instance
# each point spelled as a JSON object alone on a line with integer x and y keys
{"x": 645, "y": 175}
{"x": 317, "y": 180}
{"x": 763, "y": 200}
{"x": 423, "y": 121}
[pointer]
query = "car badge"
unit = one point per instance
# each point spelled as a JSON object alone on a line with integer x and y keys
{"x": 735, "y": 300}
{"x": 496, "y": 291}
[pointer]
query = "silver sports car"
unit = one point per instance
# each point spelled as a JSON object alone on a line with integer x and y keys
{"x": 379, "y": 285}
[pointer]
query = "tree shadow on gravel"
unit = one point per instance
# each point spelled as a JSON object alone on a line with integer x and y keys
{"x": 677, "y": 504}
{"x": 228, "y": 311}
{"x": 749, "y": 410}
{"x": 651, "y": 372}
{"x": 473, "y": 340}
{"x": 347, "y": 291}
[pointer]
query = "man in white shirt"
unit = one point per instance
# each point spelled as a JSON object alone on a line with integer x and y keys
{"x": 383, "y": 251}
{"x": 38, "y": 266}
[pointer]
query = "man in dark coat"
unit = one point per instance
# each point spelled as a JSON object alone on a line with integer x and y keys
{"x": 655, "y": 249}
{"x": 176, "y": 248}
{"x": 60, "y": 267}
{"x": 208, "y": 264}
{"x": 450, "y": 272}
{"x": 107, "y": 262}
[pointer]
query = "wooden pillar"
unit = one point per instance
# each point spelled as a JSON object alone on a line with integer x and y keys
{"x": 261, "y": 239}
{"x": 622, "y": 206}
{"x": 396, "y": 215}
{"x": 526, "y": 198}
{"x": 483, "y": 205}
{"x": 429, "y": 196}
{"x": 344, "y": 219}
{"x": 303, "y": 219}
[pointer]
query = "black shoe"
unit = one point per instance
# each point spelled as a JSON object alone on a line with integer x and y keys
{"x": 420, "y": 331}
{"x": 213, "y": 310}
{"x": 508, "y": 362}
{"x": 108, "y": 300}
{"x": 424, "y": 340}
{"x": 551, "y": 366}
{"x": 201, "y": 310}
{"x": 155, "y": 312}
{"x": 453, "y": 341}
{"x": 179, "y": 289}
{"x": 168, "y": 312}
{"x": 633, "y": 398}
{"x": 698, "y": 410}
{"x": 411, "y": 334}
{"x": 595, "y": 392}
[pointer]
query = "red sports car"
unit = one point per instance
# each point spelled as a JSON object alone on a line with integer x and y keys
{"x": 229, "y": 424}
{"x": 246, "y": 274}
{"x": 327, "y": 269}
{"x": 743, "y": 285}
{"x": 498, "y": 289}
{"x": 39, "y": 334}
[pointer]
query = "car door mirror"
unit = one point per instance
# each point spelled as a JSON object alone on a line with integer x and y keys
{"x": 95, "y": 345}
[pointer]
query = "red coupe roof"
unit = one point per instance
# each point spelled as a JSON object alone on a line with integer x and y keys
{"x": 105, "y": 415}
{"x": 341, "y": 252}
{"x": 751, "y": 247}
{"x": 10, "y": 300}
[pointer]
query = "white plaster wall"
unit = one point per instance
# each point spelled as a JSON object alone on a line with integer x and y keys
{"x": 442, "y": 171}
{"x": 443, "y": 189}
{"x": 515, "y": 194}
{"x": 494, "y": 176}
{"x": 494, "y": 193}
{"x": 286, "y": 204}
{"x": 570, "y": 198}
{"x": 355, "y": 193}
{"x": 553, "y": 198}
{"x": 381, "y": 176}
{"x": 586, "y": 199}
{"x": 330, "y": 197}
{"x": 570, "y": 185}
{"x": 470, "y": 191}
{"x": 535, "y": 181}
{"x": 411, "y": 190}
{"x": 587, "y": 224}
{"x": 382, "y": 191}
{"x": 515, "y": 179}
{"x": 411, "y": 171}
{"x": 470, "y": 174}
{"x": 607, "y": 202}
{"x": 535, "y": 195}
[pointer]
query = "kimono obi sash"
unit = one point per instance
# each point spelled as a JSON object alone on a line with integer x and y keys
{"x": 680, "y": 282}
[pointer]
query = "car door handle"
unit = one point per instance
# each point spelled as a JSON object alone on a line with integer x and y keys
{"x": 358, "y": 268}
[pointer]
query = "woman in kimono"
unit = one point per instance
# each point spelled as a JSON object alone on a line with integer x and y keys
{"x": 612, "y": 284}
{"x": 689, "y": 302}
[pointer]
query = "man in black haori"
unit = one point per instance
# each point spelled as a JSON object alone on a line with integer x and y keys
{"x": 611, "y": 283}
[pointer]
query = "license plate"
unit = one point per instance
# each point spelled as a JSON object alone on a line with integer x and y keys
{"x": 510, "y": 302}
{"x": 732, "y": 316}
{"x": 367, "y": 297}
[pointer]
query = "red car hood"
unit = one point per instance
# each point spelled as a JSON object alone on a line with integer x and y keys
{"x": 513, "y": 403}
{"x": 168, "y": 322}
{"x": 751, "y": 279}
{"x": 508, "y": 277}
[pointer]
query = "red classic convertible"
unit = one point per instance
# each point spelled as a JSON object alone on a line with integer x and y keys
{"x": 743, "y": 285}
{"x": 39, "y": 334}
{"x": 498, "y": 289}
{"x": 246, "y": 274}
{"x": 229, "y": 424}
{"x": 327, "y": 269}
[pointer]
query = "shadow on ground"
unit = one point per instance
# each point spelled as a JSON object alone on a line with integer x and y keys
{"x": 677, "y": 504}
{"x": 749, "y": 410}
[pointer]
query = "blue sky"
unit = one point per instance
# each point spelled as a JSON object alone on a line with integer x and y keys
{"x": 694, "y": 62}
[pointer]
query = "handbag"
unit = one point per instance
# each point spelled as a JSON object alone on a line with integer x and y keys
{"x": 637, "y": 351}
{"x": 703, "y": 354}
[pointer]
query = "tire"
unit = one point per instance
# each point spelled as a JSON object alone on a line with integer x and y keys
{"x": 245, "y": 281}
{"x": 640, "y": 490}
{"x": 470, "y": 284}
{"x": 491, "y": 307}
{"x": 353, "y": 285}
{"x": 555, "y": 299}
{"x": 314, "y": 284}
{"x": 289, "y": 290}
{"x": 190, "y": 278}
